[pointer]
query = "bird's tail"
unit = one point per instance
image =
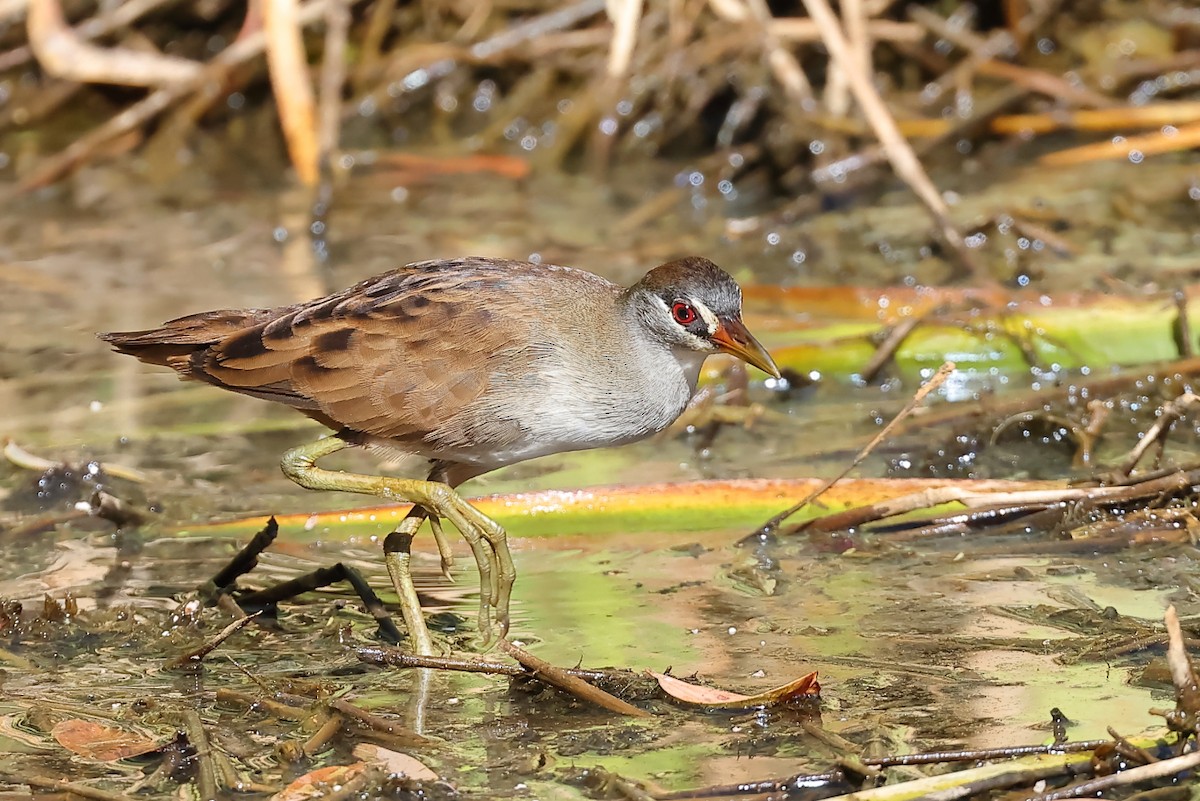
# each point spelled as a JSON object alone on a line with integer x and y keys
{"x": 174, "y": 343}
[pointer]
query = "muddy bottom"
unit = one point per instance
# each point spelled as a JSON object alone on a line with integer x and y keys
{"x": 916, "y": 650}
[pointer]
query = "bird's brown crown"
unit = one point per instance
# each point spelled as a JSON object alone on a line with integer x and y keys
{"x": 696, "y": 277}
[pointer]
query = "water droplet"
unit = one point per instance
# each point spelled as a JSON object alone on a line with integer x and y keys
{"x": 415, "y": 79}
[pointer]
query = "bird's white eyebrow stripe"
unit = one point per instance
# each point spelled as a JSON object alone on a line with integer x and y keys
{"x": 710, "y": 319}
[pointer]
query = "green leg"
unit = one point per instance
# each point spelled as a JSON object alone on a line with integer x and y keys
{"x": 397, "y": 555}
{"x": 485, "y": 536}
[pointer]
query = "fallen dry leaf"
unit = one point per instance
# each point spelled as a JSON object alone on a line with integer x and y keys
{"x": 394, "y": 762}
{"x": 319, "y": 783}
{"x": 103, "y": 743}
{"x": 803, "y": 688}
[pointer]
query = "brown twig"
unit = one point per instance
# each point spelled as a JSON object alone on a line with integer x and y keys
{"x": 276, "y": 708}
{"x": 1170, "y": 412}
{"x": 886, "y": 350}
{"x": 376, "y": 723}
{"x": 1181, "y": 328}
{"x": 394, "y": 657}
{"x": 75, "y": 788}
{"x": 197, "y": 655}
{"x": 245, "y": 560}
{"x": 557, "y": 677}
{"x": 1183, "y": 672}
{"x": 107, "y": 21}
{"x": 206, "y": 773}
{"x": 321, "y": 737}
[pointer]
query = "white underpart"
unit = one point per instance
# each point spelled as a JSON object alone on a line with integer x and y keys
{"x": 624, "y": 401}
{"x": 585, "y": 397}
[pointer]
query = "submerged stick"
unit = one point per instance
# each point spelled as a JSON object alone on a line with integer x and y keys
{"x": 557, "y": 677}
{"x": 1138, "y": 775}
{"x": 394, "y": 657}
{"x": 75, "y": 788}
{"x": 376, "y": 723}
{"x": 206, "y": 771}
{"x": 196, "y": 656}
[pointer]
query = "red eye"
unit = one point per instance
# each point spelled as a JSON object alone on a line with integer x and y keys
{"x": 683, "y": 313}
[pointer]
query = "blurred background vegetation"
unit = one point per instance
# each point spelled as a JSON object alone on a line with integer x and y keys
{"x": 786, "y": 109}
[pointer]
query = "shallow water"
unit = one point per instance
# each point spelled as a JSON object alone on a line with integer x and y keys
{"x": 917, "y": 646}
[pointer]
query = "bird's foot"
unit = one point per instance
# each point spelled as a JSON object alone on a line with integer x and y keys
{"x": 487, "y": 539}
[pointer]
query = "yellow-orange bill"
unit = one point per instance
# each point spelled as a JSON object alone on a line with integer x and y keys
{"x": 733, "y": 338}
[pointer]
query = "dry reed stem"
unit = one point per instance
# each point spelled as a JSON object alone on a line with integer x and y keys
{"x": 896, "y": 147}
{"x": 730, "y": 10}
{"x": 625, "y": 16}
{"x": 146, "y": 109}
{"x": 63, "y": 53}
{"x": 379, "y": 23}
{"x": 1143, "y": 773}
{"x": 837, "y": 95}
{"x": 1153, "y": 115}
{"x": 104, "y": 22}
{"x": 783, "y": 63}
{"x": 1134, "y": 148}
{"x": 291, "y": 86}
{"x": 1047, "y": 84}
{"x": 333, "y": 78}
{"x": 12, "y": 10}
{"x": 800, "y": 29}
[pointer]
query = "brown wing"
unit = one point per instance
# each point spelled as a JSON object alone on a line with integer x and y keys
{"x": 391, "y": 357}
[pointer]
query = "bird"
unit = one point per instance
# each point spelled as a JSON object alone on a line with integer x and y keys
{"x": 469, "y": 364}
